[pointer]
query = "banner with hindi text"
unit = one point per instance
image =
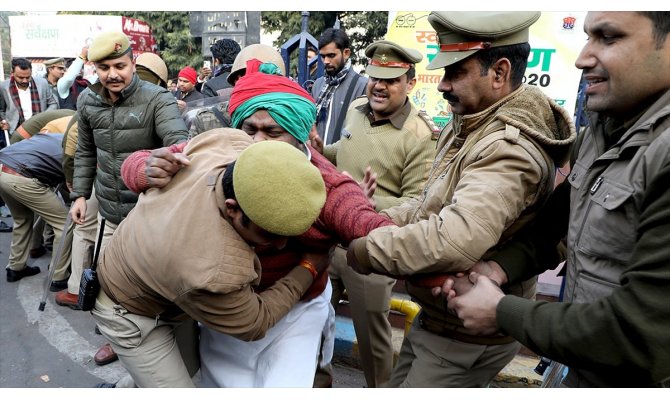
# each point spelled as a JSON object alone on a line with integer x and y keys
{"x": 556, "y": 40}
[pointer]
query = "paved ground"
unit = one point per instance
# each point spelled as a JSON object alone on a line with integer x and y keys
{"x": 54, "y": 348}
{"x": 50, "y": 348}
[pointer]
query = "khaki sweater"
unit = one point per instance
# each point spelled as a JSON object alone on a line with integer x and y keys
{"x": 400, "y": 151}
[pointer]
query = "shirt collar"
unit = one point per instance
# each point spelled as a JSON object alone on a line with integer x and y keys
{"x": 397, "y": 119}
{"x": 29, "y": 85}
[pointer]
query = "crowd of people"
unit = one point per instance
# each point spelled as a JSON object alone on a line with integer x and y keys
{"x": 294, "y": 197}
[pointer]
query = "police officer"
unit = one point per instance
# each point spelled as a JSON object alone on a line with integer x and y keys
{"x": 494, "y": 168}
{"x": 55, "y": 71}
{"x": 118, "y": 115}
{"x": 384, "y": 131}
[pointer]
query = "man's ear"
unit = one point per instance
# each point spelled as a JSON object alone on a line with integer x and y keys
{"x": 232, "y": 208}
{"x": 346, "y": 53}
{"x": 411, "y": 84}
{"x": 502, "y": 70}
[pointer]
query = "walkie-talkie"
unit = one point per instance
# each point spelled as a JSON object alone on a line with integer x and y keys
{"x": 89, "y": 287}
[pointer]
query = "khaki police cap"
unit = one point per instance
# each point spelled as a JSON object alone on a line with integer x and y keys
{"x": 278, "y": 188}
{"x": 262, "y": 52}
{"x": 389, "y": 60}
{"x": 460, "y": 34}
{"x": 155, "y": 64}
{"x": 54, "y": 61}
{"x": 108, "y": 45}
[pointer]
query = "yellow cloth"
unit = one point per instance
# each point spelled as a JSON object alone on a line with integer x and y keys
{"x": 57, "y": 125}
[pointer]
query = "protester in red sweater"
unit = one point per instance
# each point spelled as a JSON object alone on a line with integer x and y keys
{"x": 272, "y": 107}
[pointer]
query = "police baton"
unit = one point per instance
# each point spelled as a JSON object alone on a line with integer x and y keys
{"x": 55, "y": 258}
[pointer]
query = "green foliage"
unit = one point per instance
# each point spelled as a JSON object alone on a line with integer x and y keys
{"x": 374, "y": 26}
{"x": 363, "y": 27}
{"x": 176, "y": 46}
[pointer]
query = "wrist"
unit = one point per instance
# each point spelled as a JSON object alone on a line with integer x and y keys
{"x": 83, "y": 57}
{"x": 498, "y": 274}
{"x": 360, "y": 255}
{"x": 310, "y": 267}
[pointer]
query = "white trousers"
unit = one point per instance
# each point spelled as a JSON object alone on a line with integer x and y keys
{"x": 285, "y": 357}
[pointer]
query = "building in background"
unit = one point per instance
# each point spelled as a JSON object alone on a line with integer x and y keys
{"x": 244, "y": 27}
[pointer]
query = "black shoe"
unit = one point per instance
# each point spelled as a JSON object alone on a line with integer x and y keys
{"x": 97, "y": 330}
{"x": 13, "y": 276}
{"x": 4, "y": 227}
{"x": 57, "y": 286}
{"x": 105, "y": 385}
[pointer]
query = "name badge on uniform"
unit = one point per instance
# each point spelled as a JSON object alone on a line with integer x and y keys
{"x": 346, "y": 134}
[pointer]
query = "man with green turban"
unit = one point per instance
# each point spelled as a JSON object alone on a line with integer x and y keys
{"x": 285, "y": 101}
{"x": 271, "y": 107}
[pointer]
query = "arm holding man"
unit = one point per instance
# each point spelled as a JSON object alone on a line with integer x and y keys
{"x": 346, "y": 214}
{"x": 238, "y": 209}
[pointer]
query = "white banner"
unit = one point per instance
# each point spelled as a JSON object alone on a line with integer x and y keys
{"x": 50, "y": 36}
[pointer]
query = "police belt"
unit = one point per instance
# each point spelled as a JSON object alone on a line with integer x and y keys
{"x": 172, "y": 314}
{"x": 440, "y": 329}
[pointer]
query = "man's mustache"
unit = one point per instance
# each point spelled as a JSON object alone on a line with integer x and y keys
{"x": 450, "y": 97}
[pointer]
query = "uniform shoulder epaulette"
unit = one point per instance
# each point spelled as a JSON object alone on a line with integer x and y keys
{"x": 435, "y": 130}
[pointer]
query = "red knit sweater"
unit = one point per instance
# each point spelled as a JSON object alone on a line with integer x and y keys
{"x": 346, "y": 215}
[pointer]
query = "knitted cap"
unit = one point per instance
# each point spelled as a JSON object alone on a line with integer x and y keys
{"x": 189, "y": 73}
{"x": 278, "y": 188}
{"x": 108, "y": 45}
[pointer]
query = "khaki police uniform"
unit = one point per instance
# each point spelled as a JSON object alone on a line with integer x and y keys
{"x": 54, "y": 62}
{"x": 434, "y": 353}
{"x": 400, "y": 149}
{"x": 494, "y": 169}
{"x": 278, "y": 189}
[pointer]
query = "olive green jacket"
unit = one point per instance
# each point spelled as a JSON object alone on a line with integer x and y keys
{"x": 145, "y": 117}
{"x": 614, "y": 327}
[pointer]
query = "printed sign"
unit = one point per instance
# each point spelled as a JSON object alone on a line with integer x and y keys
{"x": 50, "y": 36}
{"x": 139, "y": 34}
